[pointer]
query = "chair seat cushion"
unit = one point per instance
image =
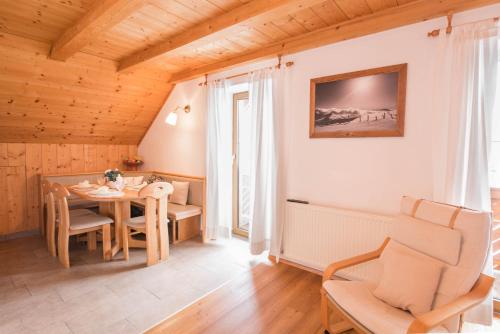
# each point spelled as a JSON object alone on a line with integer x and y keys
{"x": 177, "y": 211}
{"x": 88, "y": 221}
{"x": 357, "y": 300}
{"x": 78, "y": 212}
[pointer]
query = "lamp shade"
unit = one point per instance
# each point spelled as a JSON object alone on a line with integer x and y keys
{"x": 171, "y": 118}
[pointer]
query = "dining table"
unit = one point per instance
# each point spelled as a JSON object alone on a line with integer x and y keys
{"x": 117, "y": 206}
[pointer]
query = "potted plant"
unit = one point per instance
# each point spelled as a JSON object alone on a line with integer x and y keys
{"x": 114, "y": 179}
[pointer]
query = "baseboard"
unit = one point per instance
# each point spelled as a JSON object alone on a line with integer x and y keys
{"x": 18, "y": 235}
{"x": 272, "y": 258}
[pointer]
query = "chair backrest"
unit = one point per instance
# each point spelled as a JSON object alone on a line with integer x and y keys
{"x": 45, "y": 187}
{"x": 61, "y": 194}
{"x": 156, "y": 190}
{"x": 459, "y": 237}
{"x": 156, "y": 195}
{"x": 48, "y": 198}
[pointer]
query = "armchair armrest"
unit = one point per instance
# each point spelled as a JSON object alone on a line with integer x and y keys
{"x": 336, "y": 266}
{"x": 425, "y": 322}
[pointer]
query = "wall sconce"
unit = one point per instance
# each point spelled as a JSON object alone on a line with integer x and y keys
{"x": 172, "y": 116}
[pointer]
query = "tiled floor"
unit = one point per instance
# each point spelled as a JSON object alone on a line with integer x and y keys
{"x": 38, "y": 296}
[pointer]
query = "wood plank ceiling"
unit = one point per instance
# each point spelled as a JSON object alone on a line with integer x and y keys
{"x": 122, "y": 57}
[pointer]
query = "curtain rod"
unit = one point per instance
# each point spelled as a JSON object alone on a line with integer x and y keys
{"x": 449, "y": 27}
{"x": 278, "y": 66}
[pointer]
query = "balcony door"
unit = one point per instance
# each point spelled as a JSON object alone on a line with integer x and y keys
{"x": 241, "y": 164}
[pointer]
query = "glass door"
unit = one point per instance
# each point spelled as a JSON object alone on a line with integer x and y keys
{"x": 241, "y": 164}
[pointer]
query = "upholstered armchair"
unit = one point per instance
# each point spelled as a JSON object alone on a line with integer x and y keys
{"x": 456, "y": 240}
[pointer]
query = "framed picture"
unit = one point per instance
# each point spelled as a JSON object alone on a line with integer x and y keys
{"x": 369, "y": 103}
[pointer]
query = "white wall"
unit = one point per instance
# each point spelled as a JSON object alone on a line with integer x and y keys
{"x": 362, "y": 173}
{"x": 181, "y": 148}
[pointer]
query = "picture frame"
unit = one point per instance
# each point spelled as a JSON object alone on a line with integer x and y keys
{"x": 367, "y": 103}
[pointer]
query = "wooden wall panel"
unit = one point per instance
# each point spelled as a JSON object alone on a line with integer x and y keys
{"x": 4, "y": 207}
{"x": 16, "y": 198}
{"x": 20, "y": 165}
{"x": 81, "y": 101}
{"x": 33, "y": 168}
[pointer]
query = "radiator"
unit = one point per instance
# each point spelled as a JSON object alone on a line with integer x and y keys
{"x": 315, "y": 236}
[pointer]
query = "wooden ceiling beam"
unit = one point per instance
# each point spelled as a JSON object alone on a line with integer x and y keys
{"x": 102, "y": 15}
{"x": 249, "y": 13}
{"x": 413, "y": 12}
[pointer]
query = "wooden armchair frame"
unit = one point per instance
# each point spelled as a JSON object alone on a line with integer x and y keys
{"x": 422, "y": 324}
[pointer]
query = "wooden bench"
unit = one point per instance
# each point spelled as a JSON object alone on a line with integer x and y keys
{"x": 187, "y": 221}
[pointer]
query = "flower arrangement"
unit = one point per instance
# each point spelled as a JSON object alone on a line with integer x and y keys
{"x": 112, "y": 174}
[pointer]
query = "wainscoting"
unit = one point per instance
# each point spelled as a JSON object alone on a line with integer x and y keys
{"x": 21, "y": 163}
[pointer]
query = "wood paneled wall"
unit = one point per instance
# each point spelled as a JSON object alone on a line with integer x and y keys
{"x": 81, "y": 101}
{"x": 21, "y": 163}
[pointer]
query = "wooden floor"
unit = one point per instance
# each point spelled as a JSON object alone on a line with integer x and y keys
{"x": 268, "y": 299}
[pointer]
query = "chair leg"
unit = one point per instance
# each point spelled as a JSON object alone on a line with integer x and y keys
{"x": 63, "y": 243}
{"x": 125, "y": 232}
{"x": 324, "y": 311}
{"x": 51, "y": 238}
{"x": 106, "y": 242}
{"x": 163, "y": 240}
{"x": 91, "y": 241}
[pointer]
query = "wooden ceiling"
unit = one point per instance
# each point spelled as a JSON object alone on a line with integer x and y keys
{"x": 99, "y": 71}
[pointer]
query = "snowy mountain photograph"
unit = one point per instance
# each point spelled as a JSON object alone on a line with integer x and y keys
{"x": 359, "y": 104}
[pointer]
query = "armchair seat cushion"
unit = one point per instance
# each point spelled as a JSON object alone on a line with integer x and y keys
{"x": 357, "y": 300}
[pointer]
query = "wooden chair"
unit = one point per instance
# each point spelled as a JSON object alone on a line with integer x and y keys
{"x": 457, "y": 237}
{"x": 52, "y": 218}
{"x": 153, "y": 224}
{"x": 79, "y": 224}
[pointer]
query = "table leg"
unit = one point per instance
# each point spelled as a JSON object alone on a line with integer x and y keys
{"x": 122, "y": 213}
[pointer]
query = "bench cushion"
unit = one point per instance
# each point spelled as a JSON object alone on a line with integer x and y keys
{"x": 178, "y": 212}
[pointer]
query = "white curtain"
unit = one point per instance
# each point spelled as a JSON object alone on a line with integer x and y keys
{"x": 219, "y": 160}
{"x": 280, "y": 85}
{"x": 263, "y": 169}
{"x": 466, "y": 74}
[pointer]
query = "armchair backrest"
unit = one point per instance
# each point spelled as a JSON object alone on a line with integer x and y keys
{"x": 459, "y": 237}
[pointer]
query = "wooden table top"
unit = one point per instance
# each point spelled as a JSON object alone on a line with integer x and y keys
{"x": 128, "y": 194}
